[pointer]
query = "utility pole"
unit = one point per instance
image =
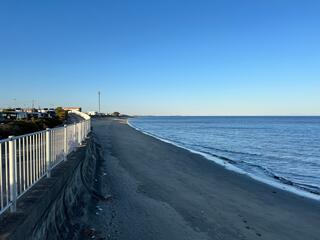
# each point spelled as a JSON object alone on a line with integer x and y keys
{"x": 14, "y": 103}
{"x": 99, "y": 100}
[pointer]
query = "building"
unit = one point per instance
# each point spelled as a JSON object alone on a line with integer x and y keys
{"x": 30, "y": 110}
{"x": 47, "y": 112}
{"x": 21, "y": 115}
{"x": 92, "y": 113}
{"x": 8, "y": 115}
{"x": 51, "y": 113}
{"x": 43, "y": 110}
{"x": 28, "y": 113}
{"x": 34, "y": 115}
{"x": 72, "y": 109}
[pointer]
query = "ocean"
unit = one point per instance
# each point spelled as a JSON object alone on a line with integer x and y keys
{"x": 283, "y": 151}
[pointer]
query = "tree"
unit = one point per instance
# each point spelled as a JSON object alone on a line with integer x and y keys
{"x": 115, "y": 114}
{"x": 61, "y": 114}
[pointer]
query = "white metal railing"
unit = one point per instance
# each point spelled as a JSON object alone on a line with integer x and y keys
{"x": 25, "y": 159}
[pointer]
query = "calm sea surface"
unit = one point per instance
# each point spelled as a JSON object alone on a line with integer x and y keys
{"x": 284, "y": 149}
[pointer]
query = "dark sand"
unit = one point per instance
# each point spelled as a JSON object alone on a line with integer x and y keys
{"x": 160, "y": 191}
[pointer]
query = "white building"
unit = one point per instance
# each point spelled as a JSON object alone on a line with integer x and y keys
{"x": 21, "y": 115}
{"x": 92, "y": 113}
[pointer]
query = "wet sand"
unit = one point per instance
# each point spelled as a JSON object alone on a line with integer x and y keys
{"x": 160, "y": 191}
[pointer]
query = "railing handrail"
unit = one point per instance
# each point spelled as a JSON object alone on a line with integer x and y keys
{"x": 81, "y": 114}
{"x": 27, "y": 158}
{"x": 20, "y": 136}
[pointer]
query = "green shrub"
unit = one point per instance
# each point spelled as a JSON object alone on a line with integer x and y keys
{"x": 21, "y": 127}
{"x": 61, "y": 114}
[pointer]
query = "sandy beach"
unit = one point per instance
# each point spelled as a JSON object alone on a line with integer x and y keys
{"x": 160, "y": 191}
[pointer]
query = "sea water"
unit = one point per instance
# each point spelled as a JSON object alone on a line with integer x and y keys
{"x": 282, "y": 150}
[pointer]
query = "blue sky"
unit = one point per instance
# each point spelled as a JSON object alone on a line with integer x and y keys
{"x": 222, "y": 57}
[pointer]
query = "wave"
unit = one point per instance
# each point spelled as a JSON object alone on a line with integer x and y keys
{"x": 269, "y": 177}
{"x": 305, "y": 187}
{"x": 230, "y": 151}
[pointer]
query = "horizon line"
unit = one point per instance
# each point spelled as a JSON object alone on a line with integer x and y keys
{"x": 153, "y": 115}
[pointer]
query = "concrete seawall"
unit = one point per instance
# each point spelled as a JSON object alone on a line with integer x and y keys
{"x": 47, "y": 210}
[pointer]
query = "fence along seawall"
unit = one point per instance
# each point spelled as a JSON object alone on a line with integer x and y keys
{"x": 25, "y": 159}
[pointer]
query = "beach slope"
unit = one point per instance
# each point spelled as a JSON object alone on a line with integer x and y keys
{"x": 160, "y": 191}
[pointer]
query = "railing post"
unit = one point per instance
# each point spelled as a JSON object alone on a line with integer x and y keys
{"x": 79, "y": 133}
{"x": 74, "y": 133}
{"x": 87, "y": 127}
{"x": 13, "y": 174}
{"x": 48, "y": 152}
{"x": 83, "y": 130}
{"x": 65, "y": 141}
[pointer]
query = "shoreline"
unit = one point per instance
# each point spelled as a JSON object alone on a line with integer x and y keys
{"x": 161, "y": 191}
{"x": 230, "y": 167}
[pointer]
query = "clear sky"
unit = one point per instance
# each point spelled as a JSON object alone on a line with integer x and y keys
{"x": 165, "y": 57}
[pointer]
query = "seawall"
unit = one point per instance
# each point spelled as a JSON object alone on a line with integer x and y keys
{"x": 47, "y": 210}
